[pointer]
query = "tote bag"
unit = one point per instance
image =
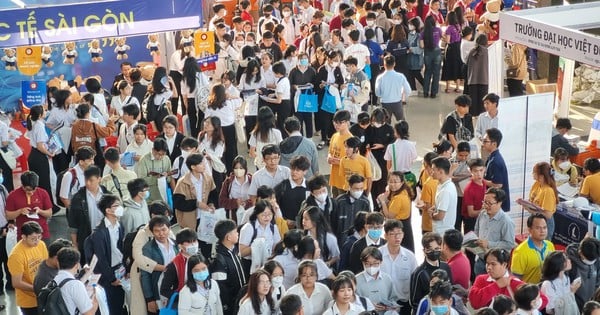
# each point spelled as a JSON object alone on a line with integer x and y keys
{"x": 308, "y": 102}
{"x": 329, "y": 102}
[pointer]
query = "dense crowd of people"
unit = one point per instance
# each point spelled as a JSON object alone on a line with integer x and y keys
{"x": 143, "y": 189}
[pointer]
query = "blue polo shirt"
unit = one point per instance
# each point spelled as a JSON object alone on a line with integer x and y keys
{"x": 497, "y": 173}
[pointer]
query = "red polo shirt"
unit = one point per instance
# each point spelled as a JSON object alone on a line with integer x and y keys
{"x": 17, "y": 199}
{"x": 461, "y": 269}
{"x": 472, "y": 196}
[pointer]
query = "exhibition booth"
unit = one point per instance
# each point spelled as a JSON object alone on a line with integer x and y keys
{"x": 527, "y": 121}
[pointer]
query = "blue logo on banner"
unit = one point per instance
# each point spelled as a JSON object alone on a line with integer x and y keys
{"x": 33, "y": 92}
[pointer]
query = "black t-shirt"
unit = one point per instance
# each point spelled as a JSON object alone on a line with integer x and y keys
{"x": 453, "y": 122}
{"x": 274, "y": 50}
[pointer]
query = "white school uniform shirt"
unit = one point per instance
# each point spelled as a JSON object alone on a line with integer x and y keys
{"x": 117, "y": 103}
{"x": 446, "y": 198}
{"x": 227, "y": 113}
{"x": 271, "y": 237}
{"x": 405, "y": 154}
{"x": 317, "y": 303}
{"x": 334, "y": 310}
{"x": 74, "y": 293}
{"x": 399, "y": 269}
{"x": 247, "y": 309}
{"x": 283, "y": 88}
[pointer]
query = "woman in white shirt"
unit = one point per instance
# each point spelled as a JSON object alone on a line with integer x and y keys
{"x": 275, "y": 269}
{"x": 251, "y": 82}
{"x": 224, "y": 106}
{"x": 200, "y": 295}
{"x": 227, "y": 56}
{"x": 266, "y": 60}
{"x": 343, "y": 294}
{"x": 258, "y": 299}
{"x": 315, "y": 296}
{"x": 264, "y": 133}
{"x": 121, "y": 97}
{"x": 308, "y": 249}
{"x": 141, "y": 144}
{"x": 63, "y": 115}
{"x": 212, "y": 145}
{"x": 315, "y": 224}
{"x": 286, "y": 254}
{"x": 191, "y": 76}
{"x": 260, "y": 226}
{"x": 94, "y": 87}
{"x": 557, "y": 286}
{"x": 280, "y": 101}
{"x": 39, "y": 159}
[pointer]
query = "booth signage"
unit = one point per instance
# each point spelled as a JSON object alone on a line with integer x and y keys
{"x": 556, "y": 40}
{"x": 205, "y": 48}
{"x": 54, "y": 24}
{"x": 33, "y": 92}
{"x": 29, "y": 59}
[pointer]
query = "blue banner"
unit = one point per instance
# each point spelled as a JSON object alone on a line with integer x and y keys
{"x": 33, "y": 92}
{"x": 61, "y": 23}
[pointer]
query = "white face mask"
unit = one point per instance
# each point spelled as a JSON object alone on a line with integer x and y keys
{"x": 239, "y": 43}
{"x": 376, "y": 125}
{"x": 286, "y": 13}
{"x": 588, "y": 262}
{"x": 277, "y": 282}
{"x": 239, "y": 172}
{"x": 192, "y": 249}
{"x": 565, "y": 165}
{"x": 321, "y": 197}
{"x": 251, "y": 44}
{"x": 356, "y": 193}
{"x": 185, "y": 154}
{"x": 396, "y": 22}
{"x": 370, "y": 23}
{"x": 119, "y": 211}
{"x": 372, "y": 271}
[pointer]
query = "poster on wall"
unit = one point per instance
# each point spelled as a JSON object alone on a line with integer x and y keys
{"x": 33, "y": 92}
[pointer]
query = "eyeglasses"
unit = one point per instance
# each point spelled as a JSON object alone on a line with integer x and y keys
{"x": 266, "y": 215}
{"x": 33, "y": 238}
{"x": 375, "y": 264}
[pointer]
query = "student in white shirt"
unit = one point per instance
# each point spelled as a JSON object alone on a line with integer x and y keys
{"x": 281, "y": 99}
{"x": 315, "y": 295}
{"x": 130, "y": 113}
{"x": 343, "y": 294}
{"x": 140, "y": 145}
{"x": 73, "y": 292}
{"x": 258, "y": 299}
{"x": 121, "y": 97}
{"x": 261, "y": 225}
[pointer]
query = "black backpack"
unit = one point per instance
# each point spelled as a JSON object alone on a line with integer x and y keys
{"x": 128, "y": 247}
{"x": 59, "y": 179}
{"x": 50, "y": 300}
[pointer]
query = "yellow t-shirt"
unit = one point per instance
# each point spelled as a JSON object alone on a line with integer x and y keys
{"x": 428, "y": 196}
{"x": 26, "y": 260}
{"x": 400, "y": 206}
{"x": 337, "y": 150}
{"x": 527, "y": 260}
{"x": 591, "y": 187}
{"x": 281, "y": 226}
{"x": 543, "y": 196}
{"x": 359, "y": 165}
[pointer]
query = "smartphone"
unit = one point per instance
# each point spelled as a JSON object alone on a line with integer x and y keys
{"x": 153, "y": 173}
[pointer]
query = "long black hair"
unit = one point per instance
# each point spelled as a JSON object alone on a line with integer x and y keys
{"x": 190, "y": 69}
{"x": 35, "y": 112}
{"x": 264, "y": 123}
{"x": 157, "y": 86}
{"x": 320, "y": 221}
{"x": 192, "y": 262}
{"x": 252, "y": 293}
{"x": 217, "y": 135}
{"x": 252, "y": 64}
{"x": 428, "y": 32}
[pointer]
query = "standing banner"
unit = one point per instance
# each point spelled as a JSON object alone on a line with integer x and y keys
{"x": 204, "y": 45}
{"x": 564, "y": 87}
{"x": 62, "y": 23}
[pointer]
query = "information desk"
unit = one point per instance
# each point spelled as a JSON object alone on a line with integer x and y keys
{"x": 570, "y": 226}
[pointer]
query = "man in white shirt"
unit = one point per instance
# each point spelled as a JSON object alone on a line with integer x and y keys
{"x": 73, "y": 291}
{"x": 317, "y": 19}
{"x": 398, "y": 262}
{"x": 270, "y": 175}
{"x": 69, "y": 185}
{"x": 444, "y": 211}
{"x": 291, "y": 26}
{"x": 358, "y": 50}
{"x": 306, "y": 11}
{"x": 488, "y": 119}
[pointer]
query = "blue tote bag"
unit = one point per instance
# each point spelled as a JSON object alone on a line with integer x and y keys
{"x": 328, "y": 102}
{"x": 308, "y": 102}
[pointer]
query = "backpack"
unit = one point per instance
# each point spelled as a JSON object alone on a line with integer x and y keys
{"x": 462, "y": 132}
{"x": 117, "y": 185}
{"x": 202, "y": 92}
{"x": 59, "y": 179}
{"x": 128, "y": 247}
{"x": 254, "y": 234}
{"x": 50, "y": 300}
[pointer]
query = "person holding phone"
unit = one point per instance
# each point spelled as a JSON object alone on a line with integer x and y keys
{"x": 29, "y": 203}
{"x": 155, "y": 165}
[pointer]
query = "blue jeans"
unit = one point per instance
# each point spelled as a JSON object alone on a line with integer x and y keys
{"x": 433, "y": 65}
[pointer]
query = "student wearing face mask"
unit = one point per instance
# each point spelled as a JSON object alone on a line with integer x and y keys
{"x": 373, "y": 238}
{"x": 528, "y": 299}
{"x": 420, "y": 278}
{"x": 564, "y": 170}
{"x": 136, "y": 213}
{"x": 200, "y": 291}
{"x": 276, "y": 271}
{"x": 318, "y": 188}
{"x": 348, "y": 205}
{"x": 291, "y": 27}
{"x": 374, "y": 284}
{"x": 441, "y": 299}
{"x": 188, "y": 146}
{"x": 584, "y": 258}
{"x": 106, "y": 243}
{"x": 175, "y": 275}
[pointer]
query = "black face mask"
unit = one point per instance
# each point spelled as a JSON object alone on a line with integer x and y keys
{"x": 434, "y": 255}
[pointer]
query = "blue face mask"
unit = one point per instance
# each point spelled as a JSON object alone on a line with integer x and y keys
{"x": 146, "y": 194}
{"x": 1, "y": 179}
{"x": 201, "y": 276}
{"x": 304, "y": 62}
{"x": 439, "y": 309}
{"x": 374, "y": 233}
